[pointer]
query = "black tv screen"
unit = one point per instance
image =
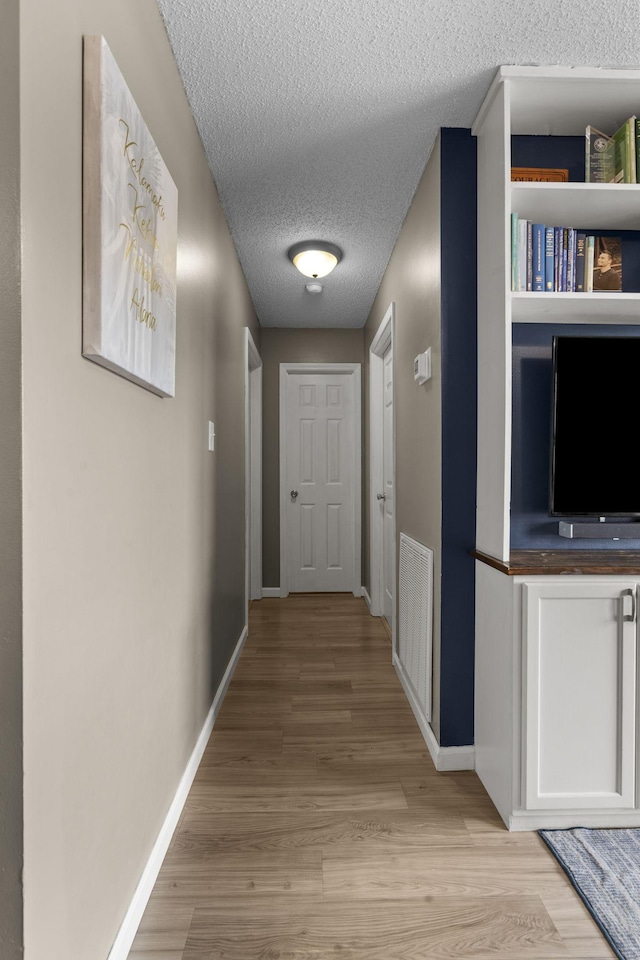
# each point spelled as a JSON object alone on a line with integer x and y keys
{"x": 595, "y": 408}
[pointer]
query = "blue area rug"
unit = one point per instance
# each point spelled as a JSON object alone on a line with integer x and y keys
{"x": 604, "y": 867}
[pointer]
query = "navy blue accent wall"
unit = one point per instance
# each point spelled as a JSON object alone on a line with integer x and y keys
{"x": 459, "y": 359}
{"x": 531, "y": 526}
{"x": 566, "y": 153}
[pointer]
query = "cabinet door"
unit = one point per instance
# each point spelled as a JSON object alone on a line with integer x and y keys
{"x": 579, "y": 662}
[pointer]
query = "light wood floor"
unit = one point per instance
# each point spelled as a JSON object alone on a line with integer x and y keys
{"x": 318, "y": 829}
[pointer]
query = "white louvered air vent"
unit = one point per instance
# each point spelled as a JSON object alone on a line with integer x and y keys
{"x": 415, "y": 619}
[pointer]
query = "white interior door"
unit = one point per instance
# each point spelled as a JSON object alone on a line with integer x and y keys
{"x": 388, "y": 504}
{"x": 321, "y": 470}
{"x": 382, "y": 539}
{"x": 253, "y": 471}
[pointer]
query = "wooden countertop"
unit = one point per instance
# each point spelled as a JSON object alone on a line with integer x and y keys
{"x": 537, "y": 562}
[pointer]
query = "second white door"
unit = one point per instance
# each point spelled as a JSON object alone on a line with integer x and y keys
{"x": 388, "y": 536}
{"x": 321, "y": 469}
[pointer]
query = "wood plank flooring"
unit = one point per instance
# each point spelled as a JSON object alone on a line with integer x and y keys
{"x": 318, "y": 829}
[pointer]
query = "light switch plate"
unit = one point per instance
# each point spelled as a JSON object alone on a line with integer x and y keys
{"x": 212, "y": 435}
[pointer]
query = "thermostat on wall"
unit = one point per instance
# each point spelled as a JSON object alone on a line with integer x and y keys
{"x": 422, "y": 367}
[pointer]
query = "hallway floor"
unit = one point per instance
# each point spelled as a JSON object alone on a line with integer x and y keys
{"x": 318, "y": 829}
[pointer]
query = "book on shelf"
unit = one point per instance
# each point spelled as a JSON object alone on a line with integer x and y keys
{"x": 549, "y": 256}
{"x": 625, "y": 152}
{"x": 514, "y": 251}
{"x": 581, "y": 239}
{"x": 571, "y": 261}
{"x": 539, "y": 175}
{"x": 538, "y": 257}
{"x": 556, "y": 259}
{"x": 522, "y": 255}
{"x": 588, "y": 264}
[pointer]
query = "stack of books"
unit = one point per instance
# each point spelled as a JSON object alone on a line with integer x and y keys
{"x": 562, "y": 259}
{"x": 613, "y": 159}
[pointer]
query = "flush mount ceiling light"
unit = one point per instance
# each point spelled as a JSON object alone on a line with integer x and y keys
{"x": 315, "y": 258}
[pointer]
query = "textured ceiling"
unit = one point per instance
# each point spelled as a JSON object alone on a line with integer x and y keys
{"x": 318, "y": 118}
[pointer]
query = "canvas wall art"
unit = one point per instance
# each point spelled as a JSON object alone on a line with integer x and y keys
{"x": 130, "y": 233}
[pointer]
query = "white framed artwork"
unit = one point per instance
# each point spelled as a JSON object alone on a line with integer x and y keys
{"x": 130, "y": 233}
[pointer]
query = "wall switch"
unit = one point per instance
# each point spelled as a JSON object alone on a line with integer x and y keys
{"x": 212, "y": 436}
{"x": 422, "y": 367}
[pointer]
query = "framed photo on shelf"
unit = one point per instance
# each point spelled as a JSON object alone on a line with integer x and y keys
{"x": 130, "y": 233}
{"x": 607, "y": 264}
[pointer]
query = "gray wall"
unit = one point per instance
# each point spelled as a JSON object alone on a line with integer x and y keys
{"x": 10, "y": 494}
{"x": 133, "y": 531}
{"x": 412, "y": 280}
{"x": 290, "y": 346}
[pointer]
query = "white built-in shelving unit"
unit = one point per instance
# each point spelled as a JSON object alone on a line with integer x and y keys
{"x": 556, "y": 650}
{"x": 536, "y": 101}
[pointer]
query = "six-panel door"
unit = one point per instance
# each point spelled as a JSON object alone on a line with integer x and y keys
{"x": 579, "y": 686}
{"x": 320, "y": 523}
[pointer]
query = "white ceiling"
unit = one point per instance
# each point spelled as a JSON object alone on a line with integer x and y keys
{"x": 318, "y": 117}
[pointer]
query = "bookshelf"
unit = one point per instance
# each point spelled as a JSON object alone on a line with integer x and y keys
{"x": 537, "y": 102}
{"x": 557, "y": 700}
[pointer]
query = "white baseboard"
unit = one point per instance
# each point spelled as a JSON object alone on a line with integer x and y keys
{"x": 444, "y": 758}
{"x": 367, "y": 598}
{"x": 126, "y": 934}
{"x": 271, "y": 591}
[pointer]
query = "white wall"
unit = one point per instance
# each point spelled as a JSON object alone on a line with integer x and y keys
{"x": 412, "y": 280}
{"x": 133, "y": 531}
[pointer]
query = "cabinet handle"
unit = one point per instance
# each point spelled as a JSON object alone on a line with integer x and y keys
{"x": 629, "y": 617}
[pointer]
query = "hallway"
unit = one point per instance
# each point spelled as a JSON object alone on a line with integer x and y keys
{"x": 317, "y": 827}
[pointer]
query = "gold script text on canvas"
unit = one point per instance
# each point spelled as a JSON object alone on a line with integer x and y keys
{"x": 140, "y": 261}
{"x": 142, "y": 314}
{"x": 136, "y": 166}
{"x": 144, "y": 224}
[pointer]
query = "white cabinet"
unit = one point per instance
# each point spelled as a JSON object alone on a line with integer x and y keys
{"x": 579, "y": 696}
{"x": 557, "y": 708}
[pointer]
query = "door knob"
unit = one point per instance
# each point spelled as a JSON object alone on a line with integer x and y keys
{"x": 294, "y": 494}
{"x": 381, "y": 496}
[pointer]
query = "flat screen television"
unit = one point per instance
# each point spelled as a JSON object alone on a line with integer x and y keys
{"x": 595, "y": 414}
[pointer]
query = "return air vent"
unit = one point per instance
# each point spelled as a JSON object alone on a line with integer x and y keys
{"x": 415, "y": 633}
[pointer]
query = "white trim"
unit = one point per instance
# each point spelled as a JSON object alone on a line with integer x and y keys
{"x": 129, "y": 927}
{"x": 271, "y": 592}
{"x": 384, "y": 338}
{"x": 444, "y": 758}
{"x": 322, "y": 368}
{"x": 252, "y": 470}
{"x": 564, "y": 819}
{"x": 367, "y": 598}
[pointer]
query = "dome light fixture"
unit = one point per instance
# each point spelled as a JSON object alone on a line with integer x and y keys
{"x": 315, "y": 258}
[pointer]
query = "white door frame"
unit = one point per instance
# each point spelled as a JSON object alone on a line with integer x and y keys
{"x": 252, "y": 472}
{"x": 384, "y": 338}
{"x": 322, "y": 368}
